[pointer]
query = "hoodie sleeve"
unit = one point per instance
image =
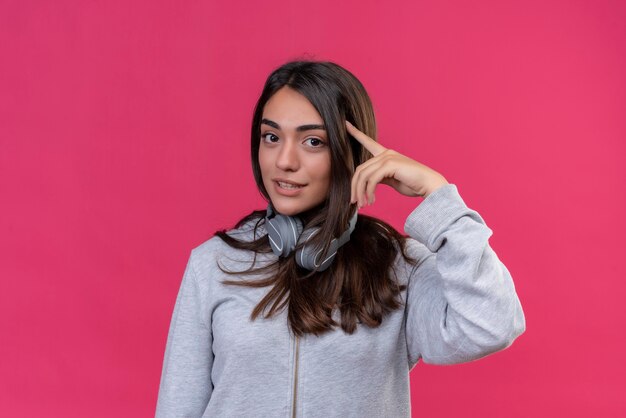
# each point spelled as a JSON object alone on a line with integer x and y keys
{"x": 461, "y": 300}
{"x": 186, "y": 385}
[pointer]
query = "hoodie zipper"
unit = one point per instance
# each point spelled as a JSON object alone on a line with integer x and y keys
{"x": 295, "y": 380}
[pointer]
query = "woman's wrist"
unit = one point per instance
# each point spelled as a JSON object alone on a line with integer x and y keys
{"x": 436, "y": 186}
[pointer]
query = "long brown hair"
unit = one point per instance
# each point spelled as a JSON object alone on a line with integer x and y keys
{"x": 361, "y": 281}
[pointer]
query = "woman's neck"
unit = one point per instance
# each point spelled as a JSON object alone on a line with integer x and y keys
{"x": 307, "y": 215}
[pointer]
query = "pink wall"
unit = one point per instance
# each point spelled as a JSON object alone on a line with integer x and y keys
{"x": 123, "y": 145}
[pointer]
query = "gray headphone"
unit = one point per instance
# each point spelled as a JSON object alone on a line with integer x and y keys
{"x": 285, "y": 232}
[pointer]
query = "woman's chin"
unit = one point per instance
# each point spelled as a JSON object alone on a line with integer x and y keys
{"x": 294, "y": 208}
{"x": 287, "y": 210}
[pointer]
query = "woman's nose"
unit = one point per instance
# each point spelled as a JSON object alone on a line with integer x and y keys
{"x": 288, "y": 157}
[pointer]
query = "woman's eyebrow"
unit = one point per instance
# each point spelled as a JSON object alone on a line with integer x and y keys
{"x": 302, "y": 128}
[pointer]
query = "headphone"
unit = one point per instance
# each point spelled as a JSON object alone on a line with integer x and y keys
{"x": 285, "y": 232}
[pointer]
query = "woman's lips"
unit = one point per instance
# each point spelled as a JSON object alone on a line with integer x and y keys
{"x": 287, "y": 181}
{"x": 287, "y": 191}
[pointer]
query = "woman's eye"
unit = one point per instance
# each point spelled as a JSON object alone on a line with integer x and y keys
{"x": 270, "y": 135}
{"x": 316, "y": 142}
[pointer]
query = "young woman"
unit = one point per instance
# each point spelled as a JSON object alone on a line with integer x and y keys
{"x": 309, "y": 309}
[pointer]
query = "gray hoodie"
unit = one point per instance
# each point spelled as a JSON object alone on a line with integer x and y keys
{"x": 460, "y": 305}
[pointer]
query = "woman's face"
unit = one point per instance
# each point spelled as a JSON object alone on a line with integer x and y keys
{"x": 294, "y": 153}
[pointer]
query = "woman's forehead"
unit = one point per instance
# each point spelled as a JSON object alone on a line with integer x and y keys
{"x": 289, "y": 110}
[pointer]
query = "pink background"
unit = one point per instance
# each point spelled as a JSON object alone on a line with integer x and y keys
{"x": 124, "y": 144}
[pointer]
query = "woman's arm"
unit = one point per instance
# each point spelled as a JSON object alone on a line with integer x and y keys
{"x": 461, "y": 300}
{"x": 186, "y": 385}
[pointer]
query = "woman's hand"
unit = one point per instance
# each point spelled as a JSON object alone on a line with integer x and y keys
{"x": 389, "y": 167}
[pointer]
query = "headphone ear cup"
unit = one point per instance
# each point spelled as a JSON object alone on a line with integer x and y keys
{"x": 305, "y": 255}
{"x": 310, "y": 257}
{"x": 328, "y": 259}
{"x": 283, "y": 232}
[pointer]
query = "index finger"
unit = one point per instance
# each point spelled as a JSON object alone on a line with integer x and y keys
{"x": 372, "y": 146}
